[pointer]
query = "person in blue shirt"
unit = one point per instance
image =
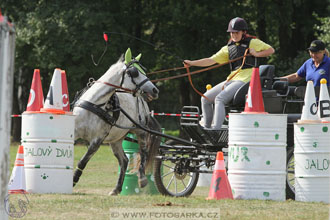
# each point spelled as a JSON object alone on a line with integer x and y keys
{"x": 315, "y": 68}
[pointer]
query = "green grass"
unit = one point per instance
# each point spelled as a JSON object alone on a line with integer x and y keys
{"x": 90, "y": 198}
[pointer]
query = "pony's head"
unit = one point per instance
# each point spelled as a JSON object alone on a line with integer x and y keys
{"x": 134, "y": 77}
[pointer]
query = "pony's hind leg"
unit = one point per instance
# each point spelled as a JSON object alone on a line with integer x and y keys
{"x": 119, "y": 153}
{"x": 92, "y": 148}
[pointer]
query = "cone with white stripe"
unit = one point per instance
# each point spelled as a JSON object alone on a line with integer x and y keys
{"x": 36, "y": 97}
{"x": 309, "y": 111}
{"x": 254, "y": 102}
{"x": 54, "y": 99}
{"x": 220, "y": 186}
{"x": 17, "y": 180}
{"x": 324, "y": 102}
{"x": 65, "y": 92}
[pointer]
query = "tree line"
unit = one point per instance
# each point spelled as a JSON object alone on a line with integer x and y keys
{"x": 65, "y": 34}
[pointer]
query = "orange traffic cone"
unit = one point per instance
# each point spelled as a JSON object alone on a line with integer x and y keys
{"x": 220, "y": 186}
{"x": 309, "y": 111}
{"x": 324, "y": 102}
{"x": 17, "y": 178}
{"x": 36, "y": 98}
{"x": 65, "y": 93}
{"x": 54, "y": 101}
{"x": 254, "y": 102}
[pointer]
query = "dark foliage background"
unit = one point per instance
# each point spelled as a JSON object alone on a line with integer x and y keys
{"x": 65, "y": 33}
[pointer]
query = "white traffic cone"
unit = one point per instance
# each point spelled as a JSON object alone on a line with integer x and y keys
{"x": 17, "y": 182}
{"x": 324, "y": 102}
{"x": 309, "y": 111}
{"x": 54, "y": 100}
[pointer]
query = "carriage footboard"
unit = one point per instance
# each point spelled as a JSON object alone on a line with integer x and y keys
{"x": 189, "y": 121}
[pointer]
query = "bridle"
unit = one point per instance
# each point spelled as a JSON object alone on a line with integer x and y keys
{"x": 133, "y": 73}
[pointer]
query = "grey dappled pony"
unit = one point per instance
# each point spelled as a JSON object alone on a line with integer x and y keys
{"x": 91, "y": 127}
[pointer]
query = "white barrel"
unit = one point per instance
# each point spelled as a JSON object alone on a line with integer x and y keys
{"x": 257, "y": 156}
{"x": 312, "y": 161}
{"x": 48, "y": 152}
{"x": 47, "y": 126}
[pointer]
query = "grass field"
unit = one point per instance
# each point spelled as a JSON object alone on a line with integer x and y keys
{"x": 90, "y": 198}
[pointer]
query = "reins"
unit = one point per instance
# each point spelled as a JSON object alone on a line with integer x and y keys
{"x": 193, "y": 72}
{"x": 166, "y": 70}
{"x": 191, "y": 83}
{"x": 117, "y": 87}
{"x": 199, "y": 71}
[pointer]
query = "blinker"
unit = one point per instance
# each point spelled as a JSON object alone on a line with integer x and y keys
{"x": 132, "y": 72}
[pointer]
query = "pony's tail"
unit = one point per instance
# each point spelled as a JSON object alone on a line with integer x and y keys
{"x": 153, "y": 142}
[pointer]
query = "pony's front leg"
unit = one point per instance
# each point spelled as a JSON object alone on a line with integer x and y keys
{"x": 143, "y": 181}
{"x": 119, "y": 153}
{"x": 92, "y": 148}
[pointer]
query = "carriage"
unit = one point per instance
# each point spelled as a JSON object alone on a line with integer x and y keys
{"x": 178, "y": 161}
{"x": 178, "y": 164}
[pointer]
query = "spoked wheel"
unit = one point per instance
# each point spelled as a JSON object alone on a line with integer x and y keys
{"x": 172, "y": 180}
{"x": 290, "y": 181}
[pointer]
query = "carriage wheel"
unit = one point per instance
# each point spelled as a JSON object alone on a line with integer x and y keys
{"x": 290, "y": 181}
{"x": 171, "y": 181}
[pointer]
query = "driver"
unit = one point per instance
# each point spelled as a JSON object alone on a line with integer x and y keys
{"x": 240, "y": 43}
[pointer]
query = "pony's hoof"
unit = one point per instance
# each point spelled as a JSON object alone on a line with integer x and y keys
{"x": 143, "y": 182}
{"x": 113, "y": 192}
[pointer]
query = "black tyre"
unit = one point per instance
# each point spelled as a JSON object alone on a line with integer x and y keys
{"x": 290, "y": 181}
{"x": 171, "y": 181}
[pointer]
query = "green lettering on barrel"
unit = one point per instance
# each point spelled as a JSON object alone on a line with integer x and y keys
{"x": 326, "y": 164}
{"x": 245, "y": 152}
{"x": 317, "y": 164}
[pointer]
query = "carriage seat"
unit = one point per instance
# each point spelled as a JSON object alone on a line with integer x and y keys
{"x": 266, "y": 73}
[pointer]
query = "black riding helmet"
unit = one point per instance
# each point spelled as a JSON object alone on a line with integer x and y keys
{"x": 237, "y": 24}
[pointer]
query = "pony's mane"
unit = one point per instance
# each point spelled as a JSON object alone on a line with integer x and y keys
{"x": 114, "y": 68}
{"x": 98, "y": 90}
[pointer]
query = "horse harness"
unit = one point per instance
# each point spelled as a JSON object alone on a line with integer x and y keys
{"x": 110, "y": 110}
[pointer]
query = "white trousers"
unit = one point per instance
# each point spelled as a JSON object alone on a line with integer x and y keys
{"x": 219, "y": 97}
